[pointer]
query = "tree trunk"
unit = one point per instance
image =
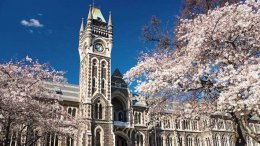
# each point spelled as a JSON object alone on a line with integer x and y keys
{"x": 7, "y": 134}
{"x": 240, "y": 140}
{"x": 19, "y": 139}
{"x": 245, "y": 127}
{"x": 155, "y": 136}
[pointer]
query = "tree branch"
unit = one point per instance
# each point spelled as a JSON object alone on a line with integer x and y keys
{"x": 244, "y": 123}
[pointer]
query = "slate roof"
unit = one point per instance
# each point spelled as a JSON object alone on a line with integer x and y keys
{"x": 117, "y": 73}
{"x": 118, "y": 83}
{"x": 97, "y": 15}
{"x": 67, "y": 92}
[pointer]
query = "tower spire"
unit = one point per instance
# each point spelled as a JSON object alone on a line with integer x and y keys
{"x": 82, "y": 25}
{"x": 90, "y": 17}
{"x": 110, "y": 27}
{"x": 110, "y": 19}
{"x": 90, "y": 13}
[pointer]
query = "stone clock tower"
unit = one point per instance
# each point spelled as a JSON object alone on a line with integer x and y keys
{"x": 95, "y": 45}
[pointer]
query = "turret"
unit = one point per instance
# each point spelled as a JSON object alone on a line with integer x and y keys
{"x": 90, "y": 17}
{"x": 81, "y": 27}
{"x": 110, "y": 25}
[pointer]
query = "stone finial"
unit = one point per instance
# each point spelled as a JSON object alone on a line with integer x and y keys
{"x": 110, "y": 19}
{"x": 82, "y": 25}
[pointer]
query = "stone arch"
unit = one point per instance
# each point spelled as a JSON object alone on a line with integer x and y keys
{"x": 224, "y": 140}
{"x": 103, "y": 76}
{"x": 121, "y": 133}
{"x": 99, "y": 106}
{"x": 94, "y": 74}
{"x": 101, "y": 97}
{"x": 120, "y": 95}
{"x": 169, "y": 139}
{"x": 121, "y": 139}
{"x": 141, "y": 138}
{"x": 94, "y": 58}
{"x": 99, "y": 136}
{"x": 217, "y": 140}
{"x": 181, "y": 140}
{"x": 103, "y": 60}
{"x": 120, "y": 107}
{"x": 198, "y": 141}
{"x": 189, "y": 140}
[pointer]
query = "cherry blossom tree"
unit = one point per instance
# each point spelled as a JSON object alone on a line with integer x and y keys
{"x": 215, "y": 66}
{"x": 28, "y": 109}
{"x": 163, "y": 36}
{"x": 191, "y": 8}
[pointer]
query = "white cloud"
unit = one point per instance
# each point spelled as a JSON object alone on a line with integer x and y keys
{"x": 40, "y": 14}
{"x": 32, "y": 23}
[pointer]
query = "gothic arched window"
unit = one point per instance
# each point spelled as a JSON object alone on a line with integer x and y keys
{"x": 98, "y": 138}
{"x": 94, "y": 75}
{"x": 217, "y": 140}
{"x": 196, "y": 125}
{"x": 169, "y": 140}
{"x": 93, "y": 82}
{"x": 178, "y": 124}
{"x": 189, "y": 141}
{"x": 69, "y": 111}
{"x": 181, "y": 141}
{"x": 73, "y": 112}
{"x": 188, "y": 124}
{"x": 52, "y": 139}
{"x": 103, "y": 77}
{"x": 70, "y": 141}
{"x": 224, "y": 141}
{"x": 139, "y": 139}
{"x": 103, "y": 70}
{"x": 205, "y": 123}
{"x": 98, "y": 110}
{"x": 208, "y": 142}
{"x": 139, "y": 118}
{"x": 94, "y": 67}
{"x": 136, "y": 118}
{"x": 198, "y": 141}
{"x": 103, "y": 90}
{"x": 220, "y": 124}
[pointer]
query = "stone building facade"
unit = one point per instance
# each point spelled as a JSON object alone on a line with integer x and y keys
{"x": 112, "y": 117}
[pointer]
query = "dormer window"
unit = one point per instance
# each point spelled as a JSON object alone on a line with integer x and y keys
{"x": 58, "y": 91}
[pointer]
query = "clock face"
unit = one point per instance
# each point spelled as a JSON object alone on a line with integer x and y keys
{"x": 99, "y": 47}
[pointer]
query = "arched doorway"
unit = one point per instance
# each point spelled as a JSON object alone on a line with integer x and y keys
{"x": 119, "y": 109}
{"x": 120, "y": 141}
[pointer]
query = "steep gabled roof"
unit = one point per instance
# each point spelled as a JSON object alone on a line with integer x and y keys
{"x": 117, "y": 73}
{"x": 97, "y": 15}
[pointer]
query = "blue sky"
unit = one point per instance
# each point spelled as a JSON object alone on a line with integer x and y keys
{"x": 48, "y": 29}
